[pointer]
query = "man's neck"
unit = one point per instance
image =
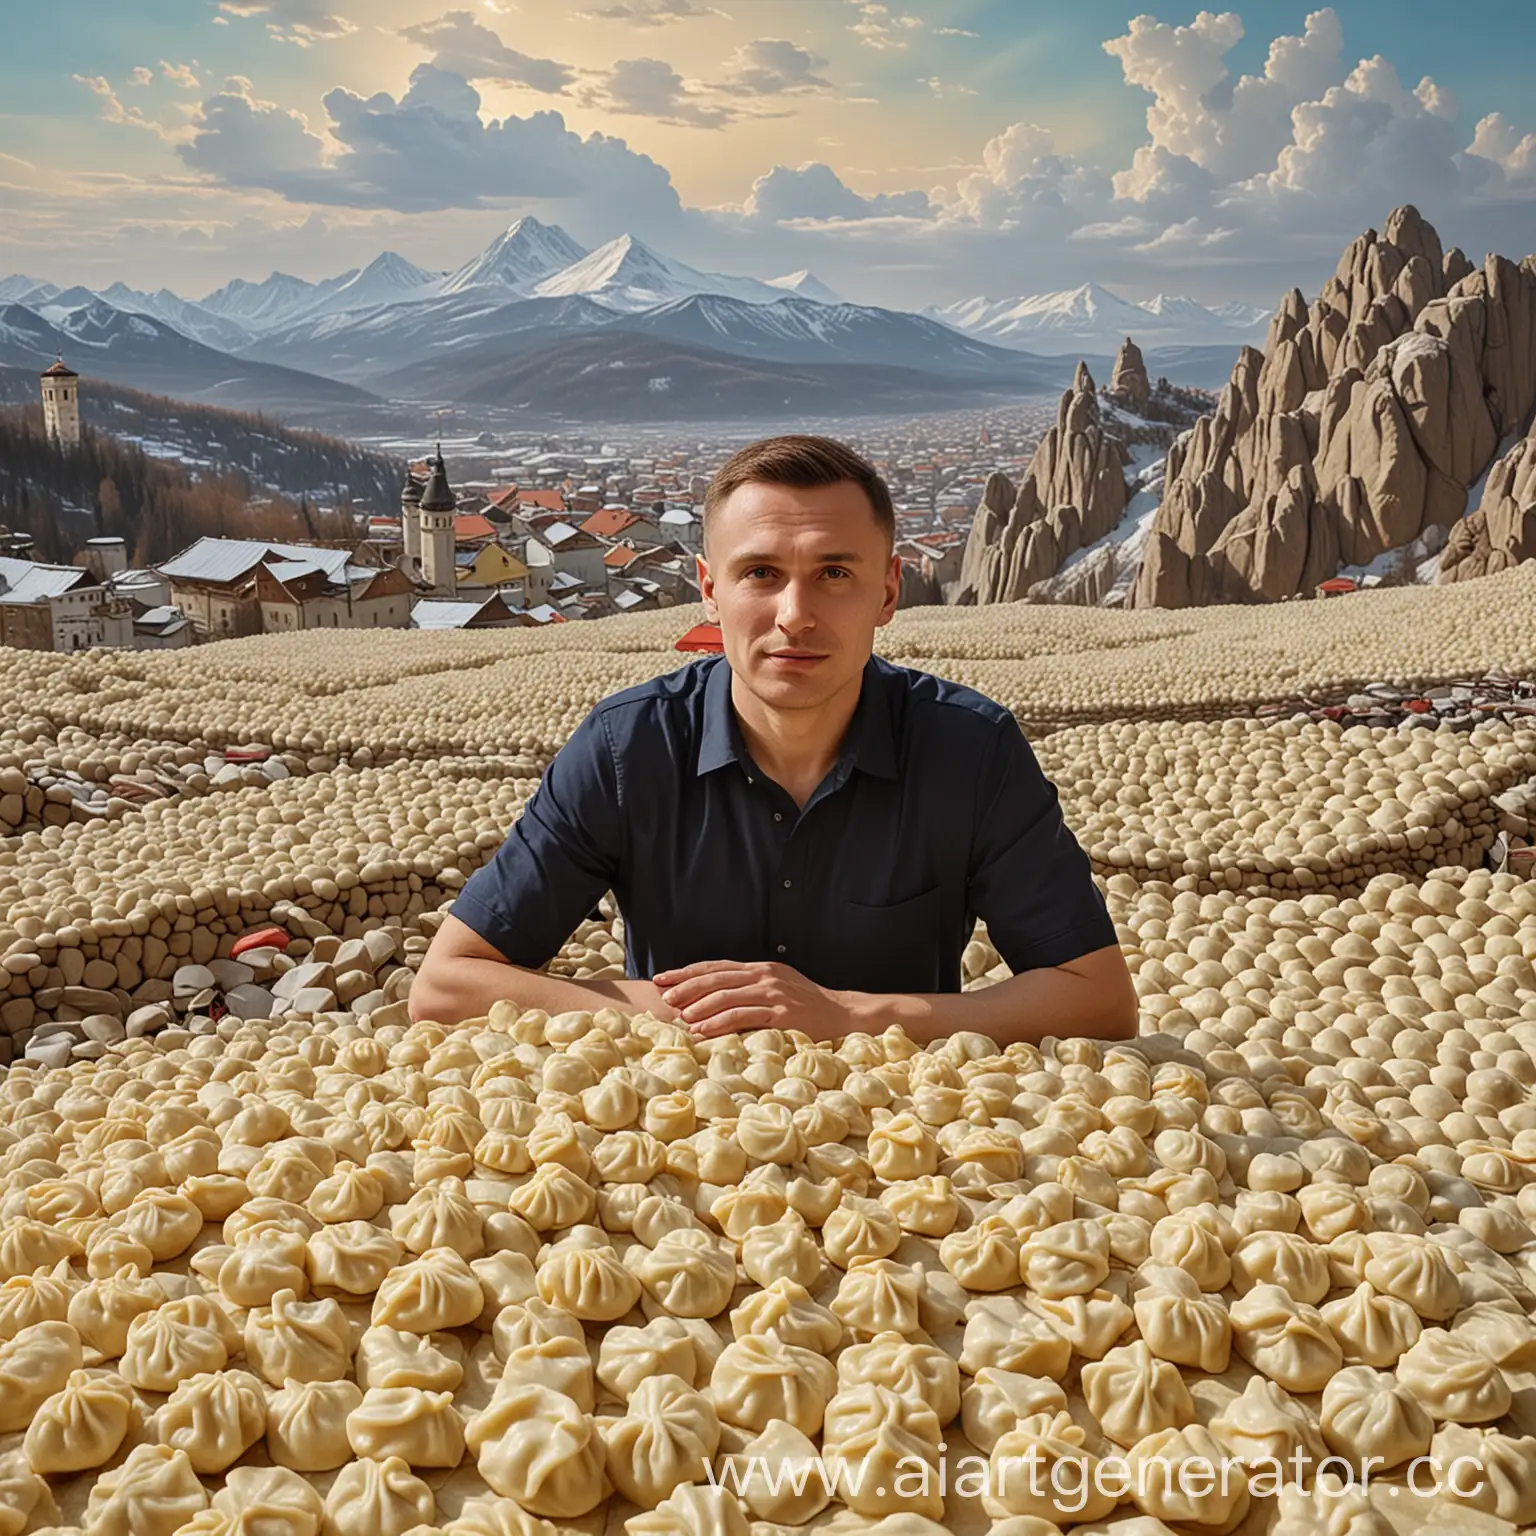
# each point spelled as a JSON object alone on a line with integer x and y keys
{"x": 795, "y": 747}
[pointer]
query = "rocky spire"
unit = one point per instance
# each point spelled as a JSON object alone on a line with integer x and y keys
{"x": 1129, "y": 384}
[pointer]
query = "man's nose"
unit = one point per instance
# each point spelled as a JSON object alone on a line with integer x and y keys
{"x": 795, "y": 607}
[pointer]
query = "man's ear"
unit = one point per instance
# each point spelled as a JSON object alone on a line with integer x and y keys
{"x": 706, "y": 588}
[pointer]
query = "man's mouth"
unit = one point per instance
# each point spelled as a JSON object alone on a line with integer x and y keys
{"x": 802, "y": 657}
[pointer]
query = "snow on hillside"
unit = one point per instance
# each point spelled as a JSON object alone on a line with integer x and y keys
{"x": 628, "y": 275}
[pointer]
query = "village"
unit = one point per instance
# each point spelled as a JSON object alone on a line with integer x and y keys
{"x": 527, "y": 536}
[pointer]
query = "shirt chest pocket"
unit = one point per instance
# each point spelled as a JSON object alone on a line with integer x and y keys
{"x": 895, "y": 943}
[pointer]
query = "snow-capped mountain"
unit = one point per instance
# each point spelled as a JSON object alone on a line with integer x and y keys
{"x": 387, "y": 279}
{"x": 807, "y": 285}
{"x": 628, "y": 275}
{"x": 279, "y": 299}
{"x": 187, "y": 316}
{"x": 1093, "y": 319}
{"x": 517, "y": 259}
{"x": 14, "y": 289}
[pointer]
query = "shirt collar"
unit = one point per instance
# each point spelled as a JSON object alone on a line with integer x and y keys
{"x": 870, "y": 744}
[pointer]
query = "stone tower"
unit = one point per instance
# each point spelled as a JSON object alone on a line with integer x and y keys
{"x": 410, "y": 524}
{"x": 61, "y": 405}
{"x": 437, "y": 542}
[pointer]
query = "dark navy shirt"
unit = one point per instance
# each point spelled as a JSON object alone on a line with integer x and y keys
{"x": 936, "y": 812}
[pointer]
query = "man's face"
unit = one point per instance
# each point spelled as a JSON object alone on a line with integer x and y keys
{"x": 798, "y": 581}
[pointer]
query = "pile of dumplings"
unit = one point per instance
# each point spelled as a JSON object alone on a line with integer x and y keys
{"x": 587, "y": 1272}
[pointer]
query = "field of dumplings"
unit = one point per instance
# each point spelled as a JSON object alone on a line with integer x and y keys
{"x": 276, "y": 1261}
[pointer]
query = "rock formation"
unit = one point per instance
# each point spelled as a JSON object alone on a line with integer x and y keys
{"x": 1072, "y": 495}
{"x": 919, "y": 585}
{"x": 1128, "y": 384}
{"x": 1358, "y": 429}
{"x": 1501, "y": 532}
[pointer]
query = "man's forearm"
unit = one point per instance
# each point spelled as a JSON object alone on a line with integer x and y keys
{"x": 1026, "y": 1007}
{"x": 466, "y": 988}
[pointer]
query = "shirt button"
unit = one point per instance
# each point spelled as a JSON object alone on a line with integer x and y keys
{"x": 778, "y": 815}
{"x": 787, "y": 884}
{"x": 781, "y": 949}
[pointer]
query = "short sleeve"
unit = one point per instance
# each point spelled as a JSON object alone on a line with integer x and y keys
{"x": 561, "y": 855}
{"x": 1029, "y": 878}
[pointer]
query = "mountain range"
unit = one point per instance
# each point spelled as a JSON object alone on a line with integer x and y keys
{"x": 535, "y": 301}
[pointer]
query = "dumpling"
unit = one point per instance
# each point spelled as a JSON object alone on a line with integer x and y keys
{"x": 759, "y": 1378}
{"x": 859, "y": 1229}
{"x": 1500, "y": 1331}
{"x": 1453, "y": 1379}
{"x": 740, "y": 1210}
{"x": 507, "y": 1279}
{"x": 26, "y": 1300}
{"x": 1372, "y": 1329}
{"x": 295, "y": 1340}
{"x": 440, "y": 1216}
{"x": 1170, "y": 1480}
{"x": 902, "y": 1148}
{"x": 166, "y": 1223}
{"x": 691, "y": 1273}
{"x": 1091, "y": 1324}
{"x": 214, "y": 1418}
{"x": 378, "y": 1498}
{"x": 101, "y": 1311}
{"x": 668, "y": 1436}
{"x": 349, "y": 1194}
{"x": 252, "y": 1274}
{"x": 983, "y": 1257}
{"x": 1134, "y": 1394}
{"x": 782, "y": 1250}
{"x": 775, "y": 1475}
{"x": 1067, "y": 1259}
{"x": 420, "y": 1427}
{"x": 1266, "y": 1426}
{"x": 1331, "y": 1209}
{"x": 1283, "y": 1259}
{"x": 925, "y": 1205}
{"x": 584, "y": 1274}
{"x": 1413, "y": 1270}
{"x": 351, "y": 1258}
{"x": 33, "y": 1366}
{"x": 26, "y": 1503}
{"x": 563, "y": 1365}
{"x": 494, "y": 1517}
{"x": 692, "y": 1511}
{"x": 1329, "y": 1508}
{"x": 173, "y": 1342}
{"x": 1493, "y": 1472}
{"x": 999, "y": 1401}
{"x": 784, "y": 1309}
{"x": 83, "y": 1425}
{"x": 1194, "y": 1247}
{"x": 153, "y": 1493}
{"x": 767, "y": 1133}
{"x": 307, "y": 1424}
{"x": 887, "y": 1448}
{"x": 1368, "y": 1413}
{"x": 914, "y": 1371}
{"x": 1285, "y": 1339}
{"x": 1180, "y": 1322}
{"x": 388, "y": 1357}
{"x": 538, "y": 1448}
{"x": 629, "y": 1356}
{"x": 628, "y": 1157}
{"x": 878, "y": 1296}
{"x": 269, "y": 1501}
{"x": 554, "y": 1197}
{"x": 1001, "y": 1332}
{"x": 813, "y": 1200}
{"x": 439, "y": 1290}
{"x": 529, "y": 1322}
{"x": 1023, "y": 1480}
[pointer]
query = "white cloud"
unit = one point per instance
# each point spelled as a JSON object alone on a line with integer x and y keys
{"x": 954, "y": 32}
{"x": 650, "y": 13}
{"x": 816, "y": 191}
{"x": 428, "y": 150}
{"x": 1497, "y": 139}
{"x": 115, "y": 110}
{"x": 880, "y": 27}
{"x": 947, "y": 88}
{"x": 138, "y": 76}
{"x": 652, "y": 88}
{"x": 463, "y": 46}
{"x": 181, "y": 74}
{"x": 774, "y": 66}
{"x": 301, "y": 22}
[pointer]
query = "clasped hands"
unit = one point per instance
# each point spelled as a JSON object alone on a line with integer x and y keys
{"x": 722, "y": 997}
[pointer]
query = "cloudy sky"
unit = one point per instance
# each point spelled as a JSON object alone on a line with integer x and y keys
{"x": 907, "y": 153}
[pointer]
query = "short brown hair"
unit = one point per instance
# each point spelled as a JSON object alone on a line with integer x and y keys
{"x": 803, "y": 461}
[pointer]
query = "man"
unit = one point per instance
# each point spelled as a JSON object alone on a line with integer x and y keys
{"x": 798, "y": 833}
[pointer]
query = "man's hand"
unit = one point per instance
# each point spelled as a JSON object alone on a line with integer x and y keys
{"x": 722, "y": 997}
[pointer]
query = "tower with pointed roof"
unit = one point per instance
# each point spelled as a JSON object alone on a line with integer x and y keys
{"x": 61, "y": 405}
{"x": 410, "y": 524}
{"x": 438, "y": 504}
